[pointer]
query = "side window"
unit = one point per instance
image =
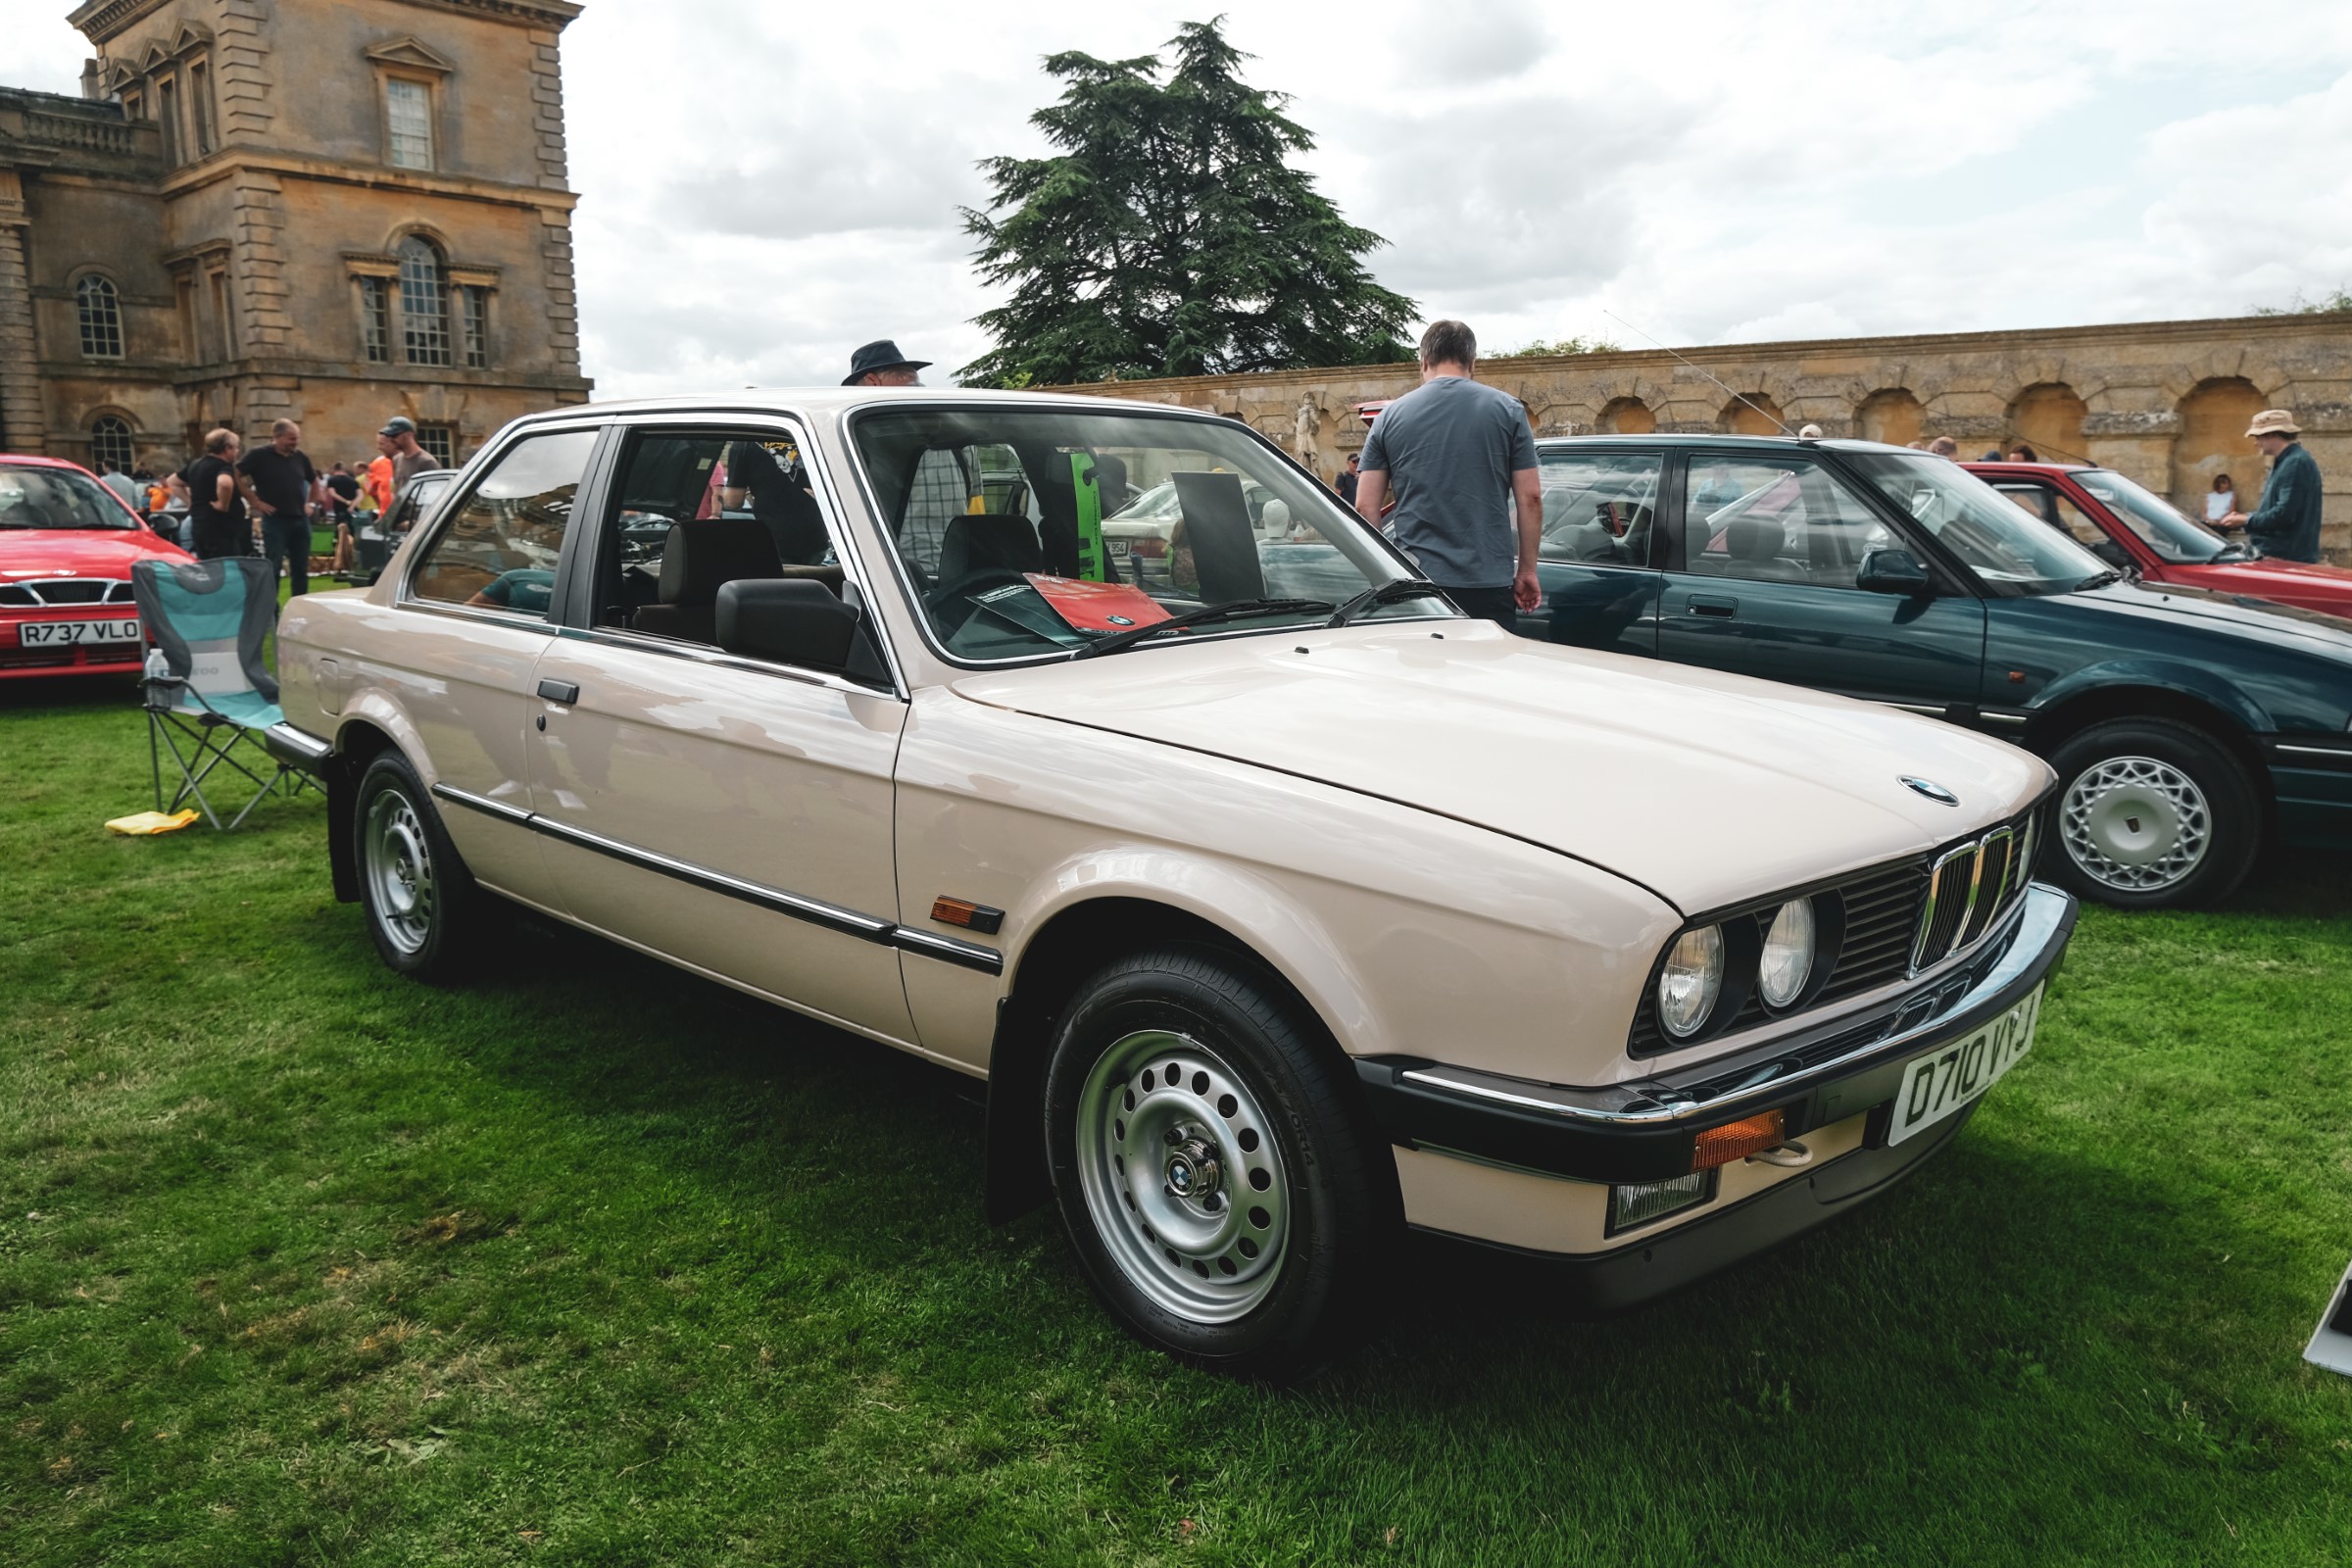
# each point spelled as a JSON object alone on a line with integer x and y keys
{"x": 1776, "y": 520}
{"x": 500, "y": 547}
{"x": 697, "y": 510}
{"x": 2056, "y": 510}
{"x": 1599, "y": 506}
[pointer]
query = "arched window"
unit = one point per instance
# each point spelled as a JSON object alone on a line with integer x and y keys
{"x": 424, "y": 302}
{"x": 101, "y": 318}
{"x": 109, "y": 445}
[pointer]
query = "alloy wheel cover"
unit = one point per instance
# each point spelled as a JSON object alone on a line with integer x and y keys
{"x": 2137, "y": 825}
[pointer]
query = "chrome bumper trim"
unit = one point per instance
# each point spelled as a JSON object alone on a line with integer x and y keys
{"x": 297, "y": 747}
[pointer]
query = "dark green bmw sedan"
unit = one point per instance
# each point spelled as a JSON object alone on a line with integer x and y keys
{"x": 2187, "y": 729}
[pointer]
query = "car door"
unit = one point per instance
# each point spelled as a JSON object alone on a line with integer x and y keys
{"x": 1600, "y": 510}
{"x": 732, "y": 814}
{"x": 1763, "y": 583}
{"x": 467, "y": 685}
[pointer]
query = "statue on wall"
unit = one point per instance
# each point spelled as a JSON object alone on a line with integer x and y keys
{"x": 1305, "y": 434}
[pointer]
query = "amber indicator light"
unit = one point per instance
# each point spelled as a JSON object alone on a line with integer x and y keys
{"x": 967, "y": 915}
{"x": 1750, "y": 1135}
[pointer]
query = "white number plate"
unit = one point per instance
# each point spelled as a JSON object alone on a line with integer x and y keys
{"x": 1942, "y": 1081}
{"x": 59, "y": 633}
{"x": 1119, "y": 548}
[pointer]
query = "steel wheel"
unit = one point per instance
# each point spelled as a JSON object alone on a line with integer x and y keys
{"x": 1183, "y": 1173}
{"x": 398, "y": 863}
{"x": 2137, "y": 825}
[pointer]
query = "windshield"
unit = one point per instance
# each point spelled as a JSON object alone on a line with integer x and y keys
{"x": 1033, "y": 531}
{"x": 56, "y": 497}
{"x": 2006, "y": 549}
{"x": 2159, "y": 524}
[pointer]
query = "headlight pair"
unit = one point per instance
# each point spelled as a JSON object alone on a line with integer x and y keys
{"x": 1691, "y": 981}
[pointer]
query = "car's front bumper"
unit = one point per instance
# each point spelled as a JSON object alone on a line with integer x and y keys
{"x": 1644, "y": 1131}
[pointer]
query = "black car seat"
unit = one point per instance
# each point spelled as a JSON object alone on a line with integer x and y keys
{"x": 697, "y": 559}
{"x": 989, "y": 541}
{"x": 1754, "y": 543}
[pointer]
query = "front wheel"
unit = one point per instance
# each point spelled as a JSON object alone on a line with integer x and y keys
{"x": 1224, "y": 1201}
{"x": 2152, "y": 814}
{"x": 421, "y": 901}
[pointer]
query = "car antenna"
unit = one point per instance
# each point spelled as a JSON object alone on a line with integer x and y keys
{"x": 1701, "y": 369}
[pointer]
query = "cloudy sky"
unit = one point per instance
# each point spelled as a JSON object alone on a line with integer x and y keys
{"x": 766, "y": 185}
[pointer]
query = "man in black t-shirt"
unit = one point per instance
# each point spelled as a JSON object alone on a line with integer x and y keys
{"x": 284, "y": 487}
{"x": 342, "y": 492}
{"x": 790, "y": 513}
{"x": 216, "y": 522}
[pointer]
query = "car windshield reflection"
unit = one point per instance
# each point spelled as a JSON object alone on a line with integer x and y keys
{"x": 2006, "y": 550}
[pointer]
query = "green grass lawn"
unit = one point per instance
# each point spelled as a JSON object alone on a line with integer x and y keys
{"x": 596, "y": 1263}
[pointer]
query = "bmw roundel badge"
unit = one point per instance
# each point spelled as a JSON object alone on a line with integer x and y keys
{"x": 1931, "y": 789}
{"x": 1119, "y": 620}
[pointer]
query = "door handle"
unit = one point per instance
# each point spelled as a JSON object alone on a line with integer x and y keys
{"x": 1713, "y": 605}
{"x": 560, "y": 691}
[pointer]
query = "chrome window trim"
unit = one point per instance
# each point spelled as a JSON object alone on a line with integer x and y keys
{"x": 912, "y": 600}
{"x": 803, "y": 430}
{"x": 798, "y": 906}
{"x": 644, "y": 642}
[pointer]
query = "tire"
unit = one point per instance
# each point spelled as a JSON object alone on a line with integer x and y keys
{"x": 2152, "y": 814}
{"x": 1224, "y": 1194}
{"x": 422, "y": 904}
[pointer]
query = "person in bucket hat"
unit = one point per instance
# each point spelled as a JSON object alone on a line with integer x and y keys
{"x": 2285, "y": 524}
{"x": 880, "y": 363}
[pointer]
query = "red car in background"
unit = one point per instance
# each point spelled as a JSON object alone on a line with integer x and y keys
{"x": 66, "y": 547}
{"x": 2130, "y": 526}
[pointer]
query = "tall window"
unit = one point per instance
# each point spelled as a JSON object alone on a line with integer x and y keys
{"x": 225, "y": 330}
{"x": 424, "y": 302}
{"x": 166, "y": 114}
{"x": 441, "y": 440}
{"x": 101, "y": 311}
{"x": 409, "y": 123}
{"x": 477, "y": 327}
{"x": 109, "y": 445}
{"x": 375, "y": 318}
{"x": 200, "y": 107}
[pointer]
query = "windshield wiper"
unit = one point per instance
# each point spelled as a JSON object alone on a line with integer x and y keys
{"x": 2098, "y": 580}
{"x": 1386, "y": 593}
{"x": 1231, "y": 610}
{"x": 2229, "y": 552}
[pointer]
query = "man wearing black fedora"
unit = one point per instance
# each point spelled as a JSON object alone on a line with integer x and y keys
{"x": 880, "y": 363}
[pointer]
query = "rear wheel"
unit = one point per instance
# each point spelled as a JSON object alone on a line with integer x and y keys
{"x": 422, "y": 904}
{"x": 2152, "y": 814}
{"x": 1223, "y": 1198}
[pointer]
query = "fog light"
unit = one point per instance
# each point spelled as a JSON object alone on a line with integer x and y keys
{"x": 1644, "y": 1202}
{"x": 1720, "y": 1145}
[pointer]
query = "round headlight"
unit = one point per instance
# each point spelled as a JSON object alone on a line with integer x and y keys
{"x": 1690, "y": 981}
{"x": 1788, "y": 959}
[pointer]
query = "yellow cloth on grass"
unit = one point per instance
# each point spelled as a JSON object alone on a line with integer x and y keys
{"x": 147, "y": 822}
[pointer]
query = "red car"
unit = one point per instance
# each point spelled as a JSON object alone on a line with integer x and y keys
{"x": 2130, "y": 526}
{"x": 66, "y": 547}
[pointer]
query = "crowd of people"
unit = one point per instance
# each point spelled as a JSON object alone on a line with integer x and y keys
{"x": 231, "y": 501}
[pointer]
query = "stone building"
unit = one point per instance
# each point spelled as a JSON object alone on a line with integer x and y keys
{"x": 262, "y": 208}
{"x": 2164, "y": 402}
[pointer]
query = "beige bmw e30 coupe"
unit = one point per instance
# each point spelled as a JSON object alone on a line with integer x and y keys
{"x": 1279, "y": 904}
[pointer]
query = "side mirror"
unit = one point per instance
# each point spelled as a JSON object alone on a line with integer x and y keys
{"x": 2114, "y": 555}
{"x": 790, "y": 620}
{"x": 1892, "y": 571}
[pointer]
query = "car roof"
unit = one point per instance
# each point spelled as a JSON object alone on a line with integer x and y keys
{"x": 2007, "y": 466}
{"x": 1700, "y": 442}
{"x": 818, "y": 400}
{"x": 31, "y": 461}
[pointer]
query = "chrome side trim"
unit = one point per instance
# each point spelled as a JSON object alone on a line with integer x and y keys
{"x": 2339, "y": 754}
{"x": 2045, "y": 913}
{"x": 297, "y": 747}
{"x": 816, "y": 911}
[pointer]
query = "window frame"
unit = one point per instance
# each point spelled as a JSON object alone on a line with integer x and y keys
{"x": 129, "y": 435}
{"x": 429, "y": 89}
{"x": 1669, "y": 491}
{"x": 577, "y": 593}
{"x": 402, "y": 309}
{"x": 427, "y": 536}
{"x": 1856, "y": 489}
{"x": 112, "y": 324}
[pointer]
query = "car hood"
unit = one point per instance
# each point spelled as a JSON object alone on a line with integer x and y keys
{"x": 79, "y": 551}
{"x": 2294, "y": 578}
{"x": 1703, "y": 787}
{"x": 2223, "y": 613}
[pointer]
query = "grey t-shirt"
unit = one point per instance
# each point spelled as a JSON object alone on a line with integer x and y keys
{"x": 1449, "y": 448}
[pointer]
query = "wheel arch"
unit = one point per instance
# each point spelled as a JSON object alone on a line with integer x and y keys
{"x": 1074, "y": 942}
{"x": 357, "y": 742}
{"x": 2225, "y": 716}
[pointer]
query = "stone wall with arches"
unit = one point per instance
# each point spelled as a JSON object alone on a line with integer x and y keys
{"x": 2164, "y": 402}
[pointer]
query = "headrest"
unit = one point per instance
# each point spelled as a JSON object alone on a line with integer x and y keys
{"x": 976, "y": 540}
{"x": 697, "y": 557}
{"x": 1753, "y": 538}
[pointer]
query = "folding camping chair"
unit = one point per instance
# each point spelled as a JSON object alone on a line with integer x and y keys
{"x": 208, "y": 706}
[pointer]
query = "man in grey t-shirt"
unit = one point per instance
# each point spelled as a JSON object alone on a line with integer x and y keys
{"x": 1457, "y": 454}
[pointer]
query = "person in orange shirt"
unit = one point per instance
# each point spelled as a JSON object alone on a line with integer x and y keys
{"x": 378, "y": 482}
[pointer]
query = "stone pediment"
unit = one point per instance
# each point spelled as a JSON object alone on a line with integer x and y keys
{"x": 411, "y": 55}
